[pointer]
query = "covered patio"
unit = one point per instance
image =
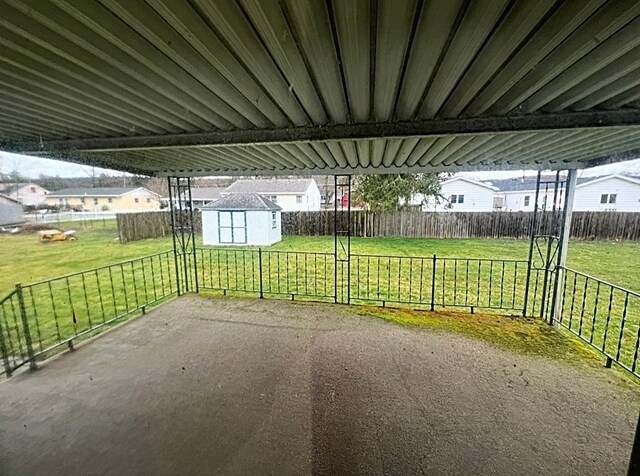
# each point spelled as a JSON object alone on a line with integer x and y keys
{"x": 200, "y": 88}
{"x": 250, "y": 386}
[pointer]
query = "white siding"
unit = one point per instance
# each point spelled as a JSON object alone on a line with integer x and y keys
{"x": 476, "y": 198}
{"x": 259, "y": 228}
{"x": 627, "y": 195}
{"x": 515, "y": 201}
{"x": 10, "y": 212}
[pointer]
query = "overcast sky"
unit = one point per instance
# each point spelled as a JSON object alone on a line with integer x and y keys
{"x": 33, "y": 167}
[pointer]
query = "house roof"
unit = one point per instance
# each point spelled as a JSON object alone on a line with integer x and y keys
{"x": 206, "y": 193}
{"x": 12, "y": 187}
{"x": 241, "y": 202}
{"x": 186, "y": 88}
{"x": 475, "y": 182}
{"x": 593, "y": 180}
{"x": 270, "y": 186}
{"x": 10, "y": 199}
{"x": 95, "y": 192}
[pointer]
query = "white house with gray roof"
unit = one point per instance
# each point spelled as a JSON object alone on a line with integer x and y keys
{"x": 459, "y": 194}
{"x": 291, "y": 195}
{"x": 241, "y": 219}
{"x": 616, "y": 193}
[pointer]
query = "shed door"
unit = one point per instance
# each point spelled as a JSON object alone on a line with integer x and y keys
{"x": 232, "y": 227}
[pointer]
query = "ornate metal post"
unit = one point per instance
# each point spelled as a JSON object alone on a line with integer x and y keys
{"x": 183, "y": 228}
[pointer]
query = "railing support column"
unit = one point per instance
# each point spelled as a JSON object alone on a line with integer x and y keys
{"x": 260, "y": 271}
{"x": 563, "y": 246}
{"x": 433, "y": 283}
{"x": 5, "y": 353}
{"x": 25, "y": 327}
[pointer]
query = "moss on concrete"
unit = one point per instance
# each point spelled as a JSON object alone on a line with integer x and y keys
{"x": 511, "y": 333}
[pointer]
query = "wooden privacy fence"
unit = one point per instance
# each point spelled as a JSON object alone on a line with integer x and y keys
{"x": 143, "y": 225}
{"x": 585, "y": 225}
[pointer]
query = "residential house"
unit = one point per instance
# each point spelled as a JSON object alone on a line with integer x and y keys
{"x": 617, "y": 193}
{"x": 29, "y": 194}
{"x": 289, "y": 194}
{"x": 200, "y": 196}
{"x": 10, "y": 211}
{"x": 105, "y": 199}
{"x": 460, "y": 194}
{"x": 518, "y": 194}
{"x": 605, "y": 193}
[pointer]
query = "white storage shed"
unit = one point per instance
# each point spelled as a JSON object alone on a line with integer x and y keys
{"x": 241, "y": 219}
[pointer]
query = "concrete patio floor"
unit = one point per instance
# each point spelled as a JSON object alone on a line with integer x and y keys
{"x": 235, "y": 386}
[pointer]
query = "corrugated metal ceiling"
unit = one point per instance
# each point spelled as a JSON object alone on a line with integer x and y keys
{"x": 320, "y": 80}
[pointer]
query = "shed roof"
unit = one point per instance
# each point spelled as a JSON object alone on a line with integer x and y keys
{"x": 242, "y": 201}
{"x": 242, "y": 87}
{"x": 270, "y": 186}
{"x": 10, "y": 199}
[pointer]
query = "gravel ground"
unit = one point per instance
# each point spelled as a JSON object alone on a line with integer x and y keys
{"x": 230, "y": 386}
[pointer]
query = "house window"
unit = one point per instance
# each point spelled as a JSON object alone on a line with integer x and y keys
{"x": 82, "y": 200}
{"x": 274, "y": 221}
{"x": 137, "y": 200}
{"x": 148, "y": 200}
{"x": 298, "y": 198}
{"x": 527, "y": 199}
{"x": 110, "y": 200}
{"x": 456, "y": 199}
{"x": 273, "y": 198}
{"x": 232, "y": 227}
{"x": 95, "y": 201}
{"x": 33, "y": 190}
{"x": 608, "y": 198}
{"x": 61, "y": 201}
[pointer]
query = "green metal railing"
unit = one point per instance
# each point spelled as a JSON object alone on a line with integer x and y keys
{"x": 39, "y": 319}
{"x": 42, "y": 318}
{"x": 605, "y": 316}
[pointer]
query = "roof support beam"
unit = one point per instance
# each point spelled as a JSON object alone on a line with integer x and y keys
{"x": 476, "y": 125}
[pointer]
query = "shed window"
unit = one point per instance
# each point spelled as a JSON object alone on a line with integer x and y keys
{"x": 298, "y": 198}
{"x": 232, "y": 227}
{"x": 608, "y": 198}
{"x": 274, "y": 221}
{"x": 527, "y": 199}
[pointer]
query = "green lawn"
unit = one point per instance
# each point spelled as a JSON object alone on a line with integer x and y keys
{"x": 24, "y": 259}
{"x": 99, "y": 296}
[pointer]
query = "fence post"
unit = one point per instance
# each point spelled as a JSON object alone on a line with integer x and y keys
{"x": 433, "y": 283}
{"x": 5, "y": 353}
{"x": 25, "y": 327}
{"x": 260, "y": 270}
